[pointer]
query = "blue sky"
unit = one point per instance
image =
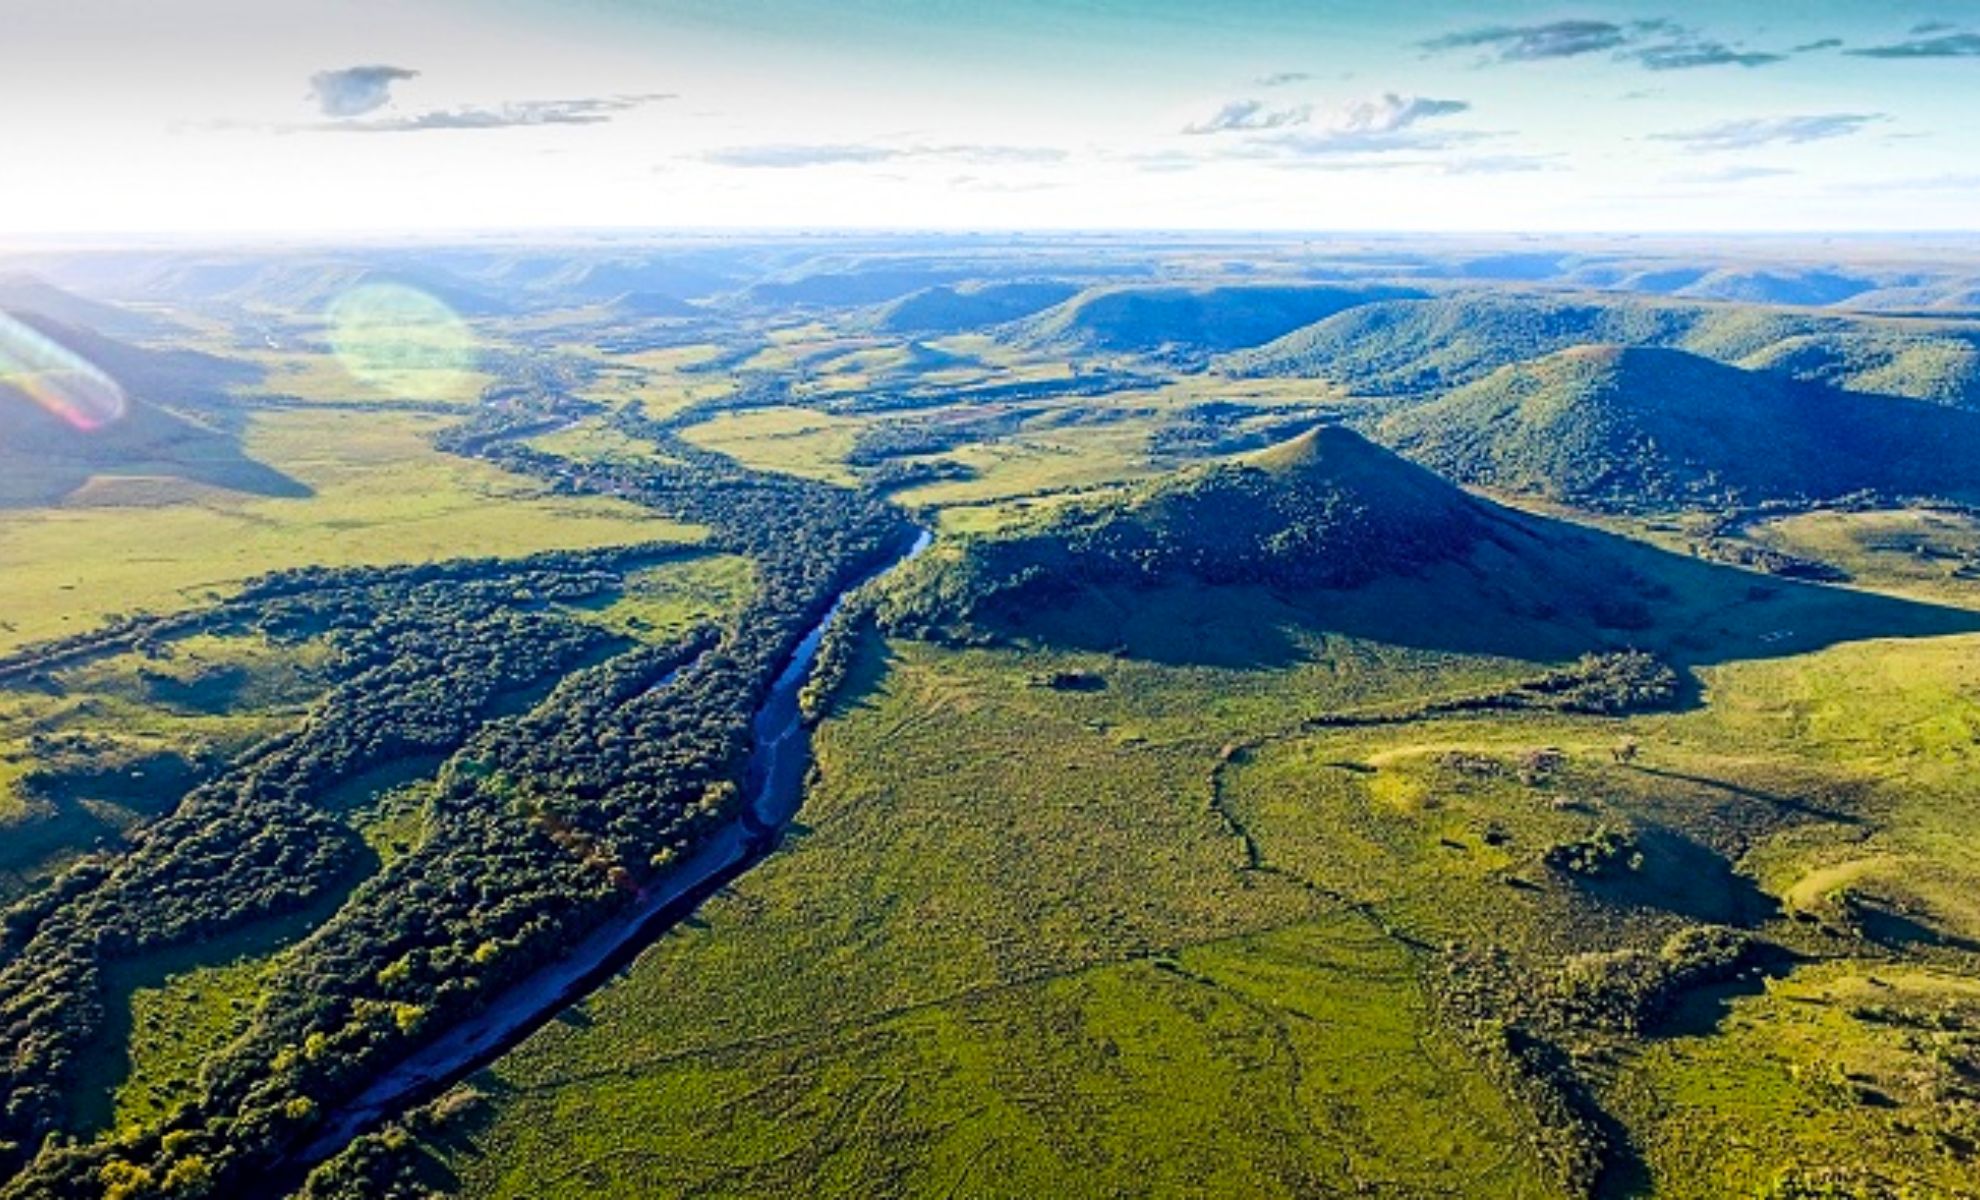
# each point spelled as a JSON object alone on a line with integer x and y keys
{"x": 230, "y": 116}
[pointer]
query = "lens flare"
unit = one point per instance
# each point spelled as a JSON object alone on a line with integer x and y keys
{"x": 402, "y": 342}
{"x": 58, "y": 379}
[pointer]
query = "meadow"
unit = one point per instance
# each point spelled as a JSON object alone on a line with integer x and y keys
{"x": 379, "y": 493}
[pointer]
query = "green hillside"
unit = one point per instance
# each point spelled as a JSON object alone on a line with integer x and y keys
{"x": 75, "y": 404}
{"x": 1411, "y": 347}
{"x": 962, "y": 307}
{"x": 1347, "y": 533}
{"x": 23, "y": 292}
{"x": 1326, "y": 509}
{"x": 1807, "y": 287}
{"x": 1642, "y": 428}
{"x": 1210, "y": 319}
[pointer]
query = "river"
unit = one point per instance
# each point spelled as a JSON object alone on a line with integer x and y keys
{"x": 774, "y": 787}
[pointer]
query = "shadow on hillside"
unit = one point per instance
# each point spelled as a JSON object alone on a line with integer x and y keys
{"x": 1685, "y": 878}
{"x": 43, "y": 461}
{"x": 1537, "y": 589}
{"x": 1702, "y": 1011}
{"x": 1780, "y": 801}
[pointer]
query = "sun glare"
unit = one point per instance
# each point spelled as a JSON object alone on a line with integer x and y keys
{"x": 402, "y": 342}
{"x": 57, "y": 379}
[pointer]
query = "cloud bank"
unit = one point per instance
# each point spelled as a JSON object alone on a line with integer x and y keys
{"x": 522, "y": 114}
{"x": 354, "y": 91}
{"x": 1249, "y": 116}
{"x": 1751, "y": 132}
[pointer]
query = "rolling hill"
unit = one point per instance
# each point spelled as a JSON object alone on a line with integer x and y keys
{"x": 1405, "y": 347}
{"x": 44, "y": 458}
{"x": 1324, "y": 510}
{"x": 959, "y": 308}
{"x": 1348, "y": 534}
{"x": 1799, "y": 287}
{"x": 22, "y": 292}
{"x": 1411, "y": 347}
{"x": 1189, "y": 320}
{"x": 1644, "y": 428}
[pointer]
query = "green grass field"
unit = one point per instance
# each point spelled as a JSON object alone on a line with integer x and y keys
{"x": 128, "y": 729}
{"x": 1011, "y": 950}
{"x": 1155, "y": 890}
{"x": 1024, "y": 937}
{"x": 381, "y": 494}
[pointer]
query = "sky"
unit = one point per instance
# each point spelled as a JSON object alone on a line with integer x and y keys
{"x": 234, "y": 117}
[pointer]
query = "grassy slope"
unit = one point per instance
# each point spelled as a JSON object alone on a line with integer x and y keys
{"x": 212, "y": 693}
{"x": 1000, "y": 885}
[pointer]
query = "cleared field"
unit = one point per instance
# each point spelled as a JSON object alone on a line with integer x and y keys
{"x": 171, "y": 1011}
{"x": 663, "y": 601}
{"x": 796, "y": 441}
{"x": 379, "y": 494}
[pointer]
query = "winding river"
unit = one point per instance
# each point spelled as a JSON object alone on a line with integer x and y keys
{"x": 775, "y": 789}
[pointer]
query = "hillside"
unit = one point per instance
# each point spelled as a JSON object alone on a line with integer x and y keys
{"x": 168, "y": 376}
{"x": 1936, "y": 363}
{"x": 74, "y": 404}
{"x": 1326, "y": 514}
{"x": 1211, "y": 319}
{"x": 1643, "y": 428}
{"x": 652, "y": 305}
{"x": 1801, "y": 287}
{"x": 961, "y": 307}
{"x": 22, "y": 292}
{"x": 1405, "y": 347}
{"x": 44, "y": 457}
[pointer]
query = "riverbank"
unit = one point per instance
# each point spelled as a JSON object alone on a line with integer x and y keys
{"x": 774, "y": 790}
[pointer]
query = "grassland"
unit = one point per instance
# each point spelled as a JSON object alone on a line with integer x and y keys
{"x": 1034, "y": 941}
{"x": 115, "y": 740}
{"x": 662, "y": 601}
{"x": 316, "y": 376}
{"x": 1183, "y": 890}
{"x": 379, "y": 494}
{"x": 796, "y": 441}
{"x": 1921, "y": 550}
{"x": 172, "y": 1010}
{"x": 1013, "y": 950}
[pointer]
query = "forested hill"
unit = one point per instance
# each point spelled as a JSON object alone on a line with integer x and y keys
{"x": 1176, "y": 319}
{"x": 1642, "y": 428}
{"x": 1415, "y": 347}
{"x": 959, "y": 308}
{"x": 1327, "y": 509}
